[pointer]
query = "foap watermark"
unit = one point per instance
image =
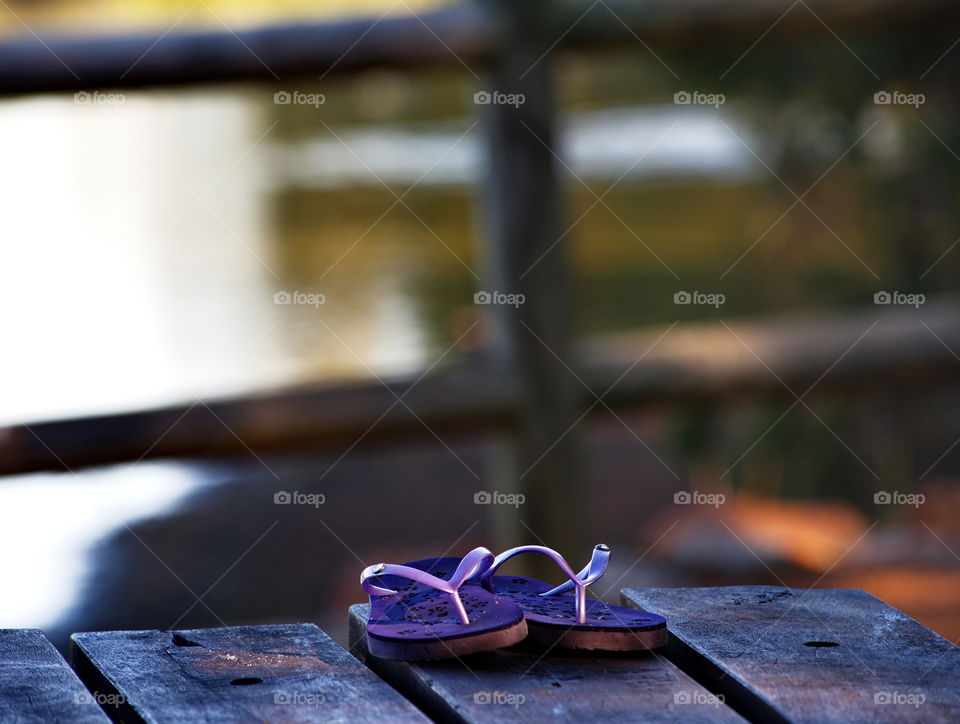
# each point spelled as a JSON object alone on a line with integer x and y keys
{"x": 898, "y": 698}
{"x": 282, "y": 497}
{"x": 883, "y": 497}
{"x": 503, "y": 698}
{"x": 898, "y": 98}
{"x": 900, "y": 298}
{"x": 512, "y": 300}
{"x": 485, "y": 497}
{"x": 712, "y": 299}
{"x": 699, "y": 698}
{"x": 697, "y": 98}
{"x": 312, "y": 299}
{"x": 96, "y": 98}
{"x": 496, "y": 98}
{"x": 695, "y": 497}
{"x": 297, "y": 98}
{"x": 298, "y": 698}
{"x": 95, "y": 697}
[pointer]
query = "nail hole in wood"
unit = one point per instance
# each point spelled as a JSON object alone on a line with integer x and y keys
{"x": 179, "y": 640}
{"x": 820, "y": 644}
{"x": 246, "y": 681}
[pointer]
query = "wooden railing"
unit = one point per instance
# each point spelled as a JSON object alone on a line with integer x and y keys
{"x": 518, "y": 388}
{"x": 472, "y": 33}
{"x": 701, "y": 363}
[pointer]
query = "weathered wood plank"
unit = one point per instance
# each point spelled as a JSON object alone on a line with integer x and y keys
{"x": 514, "y": 686}
{"x": 282, "y": 673}
{"x": 793, "y": 655}
{"x": 37, "y": 686}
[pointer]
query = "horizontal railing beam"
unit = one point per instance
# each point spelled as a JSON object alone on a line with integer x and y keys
{"x": 307, "y": 418}
{"x": 458, "y": 36}
{"x": 270, "y": 54}
{"x": 679, "y": 24}
{"x": 703, "y": 363}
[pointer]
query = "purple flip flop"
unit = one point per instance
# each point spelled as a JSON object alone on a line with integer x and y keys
{"x": 558, "y": 618}
{"x": 425, "y": 609}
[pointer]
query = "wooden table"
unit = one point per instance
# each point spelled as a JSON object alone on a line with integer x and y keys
{"x": 750, "y": 653}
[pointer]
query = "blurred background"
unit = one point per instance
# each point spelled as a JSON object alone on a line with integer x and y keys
{"x": 386, "y": 281}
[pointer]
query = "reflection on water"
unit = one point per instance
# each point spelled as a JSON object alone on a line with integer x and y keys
{"x": 122, "y": 281}
{"x": 46, "y": 555}
{"x": 137, "y": 267}
{"x": 147, "y": 241}
{"x": 631, "y": 143}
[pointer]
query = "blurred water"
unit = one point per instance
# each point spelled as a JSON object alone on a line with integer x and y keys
{"x": 147, "y": 237}
{"x": 635, "y": 143}
{"x": 138, "y": 267}
{"x": 49, "y": 523}
{"x": 131, "y": 273}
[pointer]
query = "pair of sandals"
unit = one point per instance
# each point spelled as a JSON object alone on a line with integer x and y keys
{"x": 446, "y": 607}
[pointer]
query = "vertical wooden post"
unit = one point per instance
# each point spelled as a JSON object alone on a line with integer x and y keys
{"x": 524, "y": 220}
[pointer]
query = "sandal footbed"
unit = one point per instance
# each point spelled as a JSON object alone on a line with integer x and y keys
{"x": 419, "y": 622}
{"x": 551, "y": 620}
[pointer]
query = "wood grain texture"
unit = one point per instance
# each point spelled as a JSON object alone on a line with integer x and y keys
{"x": 521, "y": 686}
{"x": 37, "y": 686}
{"x": 282, "y": 673}
{"x": 816, "y": 655}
